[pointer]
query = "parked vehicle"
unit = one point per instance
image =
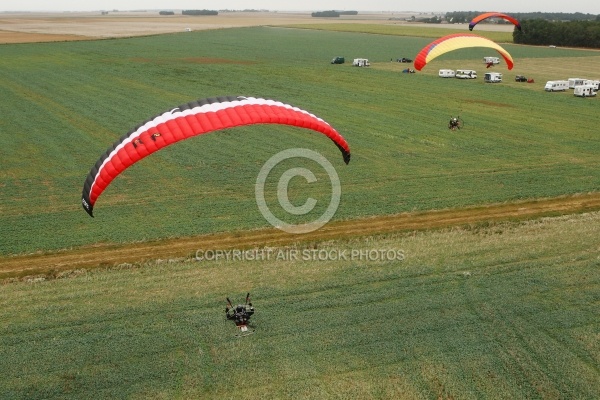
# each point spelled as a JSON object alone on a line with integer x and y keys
{"x": 491, "y": 60}
{"x": 338, "y": 60}
{"x": 361, "y": 62}
{"x": 575, "y": 82}
{"x": 492, "y": 77}
{"x": 447, "y": 73}
{"x": 404, "y": 60}
{"x": 595, "y": 84}
{"x": 584, "y": 91}
{"x": 556, "y": 86}
{"x": 466, "y": 74}
{"x": 520, "y": 78}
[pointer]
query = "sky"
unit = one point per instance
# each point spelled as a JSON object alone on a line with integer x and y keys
{"x": 571, "y": 6}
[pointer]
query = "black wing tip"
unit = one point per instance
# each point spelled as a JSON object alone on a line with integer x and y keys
{"x": 345, "y": 152}
{"x": 87, "y": 207}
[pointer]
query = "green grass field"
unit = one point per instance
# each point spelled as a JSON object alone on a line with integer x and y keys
{"x": 499, "y": 311}
{"x": 63, "y": 104}
{"x": 504, "y": 311}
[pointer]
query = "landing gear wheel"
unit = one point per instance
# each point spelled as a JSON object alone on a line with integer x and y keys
{"x": 244, "y": 330}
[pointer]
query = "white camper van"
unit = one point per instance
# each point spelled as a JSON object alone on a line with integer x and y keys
{"x": 361, "y": 62}
{"x": 584, "y": 91}
{"x": 447, "y": 73}
{"x": 575, "y": 82}
{"x": 595, "y": 84}
{"x": 491, "y": 60}
{"x": 492, "y": 77}
{"x": 466, "y": 74}
{"x": 556, "y": 86}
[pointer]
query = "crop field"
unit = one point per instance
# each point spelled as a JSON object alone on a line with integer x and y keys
{"x": 65, "y": 103}
{"x": 468, "y": 294}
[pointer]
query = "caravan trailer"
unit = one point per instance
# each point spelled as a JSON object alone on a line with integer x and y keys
{"x": 446, "y": 73}
{"x": 491, "y": 60}
{"x": 466, "y": 74}
{"x": 361, "y": 62}
{"x": 492, "y": 77}
{"x": 575, "y": 82}
{"x": 556, "y": 86}
{"x": 584, "y": 91}
{"x": 595, "y": 84}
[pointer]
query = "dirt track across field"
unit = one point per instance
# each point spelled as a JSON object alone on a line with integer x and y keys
{"x": 50, "y": 264}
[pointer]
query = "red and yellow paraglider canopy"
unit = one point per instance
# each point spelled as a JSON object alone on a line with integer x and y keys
{"x": 487, "y": 15}
{"x": 457, "y": 41}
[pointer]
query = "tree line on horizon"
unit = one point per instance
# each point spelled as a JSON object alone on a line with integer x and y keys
{"x": 190, "y": 12}
{"x": 467, "y": 16}
{"x": 544, "y": 29}
{"x": 332, "y": 13}
{"x": 574, "y": 33}
{"x": 199, "y": 12}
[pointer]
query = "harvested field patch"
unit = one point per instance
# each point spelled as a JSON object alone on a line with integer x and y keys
{"x": 24, "y": 37}
{"x": 49, "y": 27}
